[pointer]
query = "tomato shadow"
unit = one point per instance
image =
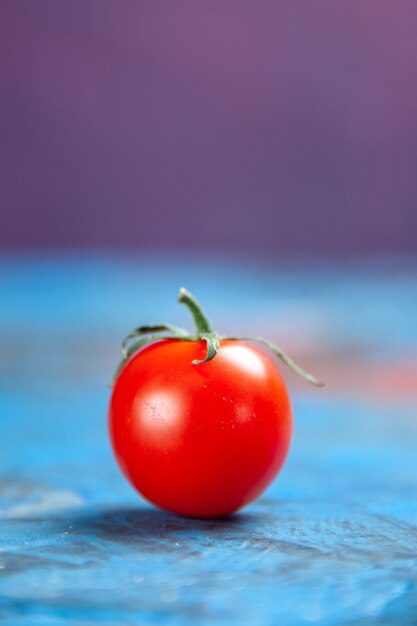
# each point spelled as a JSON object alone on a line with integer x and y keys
{"x": 155, "y": 530}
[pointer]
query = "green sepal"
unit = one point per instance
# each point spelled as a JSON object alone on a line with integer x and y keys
{"x": 145, "y": 330}
{"x": 137, "y": 345}
{"x": 284, "y": 358}
{"x": 212, "y": 341}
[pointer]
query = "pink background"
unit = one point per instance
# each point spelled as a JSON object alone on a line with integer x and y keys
{"x": 264, "y": 127}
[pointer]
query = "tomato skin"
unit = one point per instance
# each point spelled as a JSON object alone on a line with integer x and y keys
{"x": 200, "y": 440}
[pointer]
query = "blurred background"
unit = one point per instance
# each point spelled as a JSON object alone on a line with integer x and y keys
{"x": 264, "y": 155}
{"x": 273, "y": 127}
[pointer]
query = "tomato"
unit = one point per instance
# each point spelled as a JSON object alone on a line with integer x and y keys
{"x": 200, "y": 440}
{"x": 200, "y": 424}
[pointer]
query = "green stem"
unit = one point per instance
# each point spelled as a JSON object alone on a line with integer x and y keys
{"x": 201, "y": 322}
{"x": 156, "y": 332}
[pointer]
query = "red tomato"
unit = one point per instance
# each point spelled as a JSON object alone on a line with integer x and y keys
{"x": 200, "y": 440}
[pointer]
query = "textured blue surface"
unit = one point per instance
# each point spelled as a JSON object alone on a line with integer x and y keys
{"x": 333, "y": 541}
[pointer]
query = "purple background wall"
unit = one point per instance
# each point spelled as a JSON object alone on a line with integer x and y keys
{"x": 278, "y": 127}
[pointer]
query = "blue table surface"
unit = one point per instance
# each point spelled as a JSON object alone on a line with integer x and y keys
{"x": 332, "y": 541}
